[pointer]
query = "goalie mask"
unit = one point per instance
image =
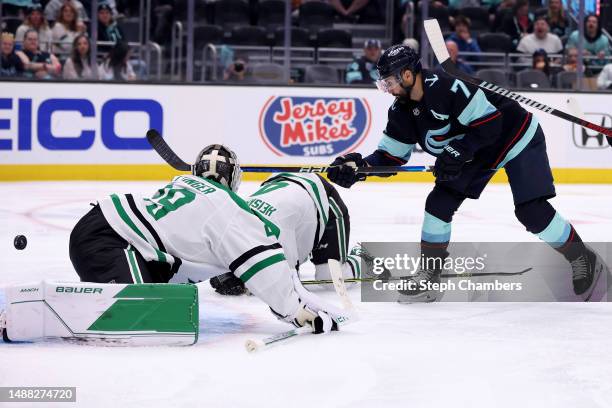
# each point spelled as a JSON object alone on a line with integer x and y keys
{"x": 220, "y": 164}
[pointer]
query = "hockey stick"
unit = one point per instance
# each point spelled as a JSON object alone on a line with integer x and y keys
{"x": 161, "y": 147}
{"x": 434, "y": 35}
{"x": 158, "y": 143}
{"x": 324, "y": 169}
{"x": 336, "y": 274}
{"x": 397, "y": 278}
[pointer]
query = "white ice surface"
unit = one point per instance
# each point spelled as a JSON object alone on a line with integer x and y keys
{"x": 429, "y": 355}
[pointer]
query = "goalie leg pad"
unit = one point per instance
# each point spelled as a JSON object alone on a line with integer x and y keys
{"x": 114, "y": 314}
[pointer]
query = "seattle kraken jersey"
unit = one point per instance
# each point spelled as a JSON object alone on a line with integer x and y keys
{"x": 492, "y": 128}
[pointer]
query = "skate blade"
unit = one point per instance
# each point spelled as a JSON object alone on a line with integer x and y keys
{"x": 425, "y": 297}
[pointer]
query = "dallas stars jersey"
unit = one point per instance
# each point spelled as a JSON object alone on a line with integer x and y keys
{"x": 493, "y": 128}
{"x": 203, "y": 222}
{"x": 298, "y": 204}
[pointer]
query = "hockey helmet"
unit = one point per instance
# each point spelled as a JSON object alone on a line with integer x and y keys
{"x": 393, "y": 61}
{"x": 219, "y": 163}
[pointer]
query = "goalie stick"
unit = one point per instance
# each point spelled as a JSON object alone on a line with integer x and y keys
{"x": 161, "y": 147}
{"x": 336, "y": 274}
{"x": 397, "y": 278}
{"x": 436, "y": 40}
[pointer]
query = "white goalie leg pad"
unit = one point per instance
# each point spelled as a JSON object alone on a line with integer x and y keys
{"x": 113, "y": 314}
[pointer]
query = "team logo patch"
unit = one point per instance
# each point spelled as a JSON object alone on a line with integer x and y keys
{"x": 310, "y": 126}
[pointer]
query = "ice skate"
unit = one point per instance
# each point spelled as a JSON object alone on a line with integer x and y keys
{"x": 586, "y": 270}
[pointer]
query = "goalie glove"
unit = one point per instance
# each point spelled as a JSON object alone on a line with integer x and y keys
{"x": 343, "y": 172}
{"x": 228, "y": 284}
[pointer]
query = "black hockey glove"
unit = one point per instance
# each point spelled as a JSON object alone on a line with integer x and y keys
{"x": 228, "y": 284}
{"x": 450, "y": 163}
{"x": 344, "y": 173}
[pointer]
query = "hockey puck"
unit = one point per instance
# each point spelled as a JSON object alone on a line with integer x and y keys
{"x": 20, "y": 242}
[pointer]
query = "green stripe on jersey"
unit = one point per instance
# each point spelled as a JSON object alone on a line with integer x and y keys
{"x": 341, "y": 229}
{"x": 134, "y": 266}
{"x": 126, "y": 218}
{"x": 261, "y": 265}
{"x": 315, "y": 188}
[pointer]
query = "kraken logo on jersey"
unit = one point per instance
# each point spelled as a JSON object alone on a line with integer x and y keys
{"x": 435, "y": 144}
{"x": 439, "y": 116}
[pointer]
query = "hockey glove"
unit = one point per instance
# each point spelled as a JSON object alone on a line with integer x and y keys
{"x": 450, "y": 163}
{"x": 320, "y": 322}
{"x": 343, "y": 170}
{"x": 228, "y": 284}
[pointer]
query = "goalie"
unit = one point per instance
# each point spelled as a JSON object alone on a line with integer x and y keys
{"x": 197, "y": 226}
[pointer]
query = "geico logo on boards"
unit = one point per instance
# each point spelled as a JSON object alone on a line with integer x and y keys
{"x": 311, "y": 126}
{"x": 592, "y": 139}
{"x": 71, "y": 289}
{"x": 22, "y": 129}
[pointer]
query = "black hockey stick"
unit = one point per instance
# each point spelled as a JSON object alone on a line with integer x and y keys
{"x": 434, "y": 35}
{"x": 158, "y": 143}
{"x": 161, "y": 147}
{"x": 397, "y": 278}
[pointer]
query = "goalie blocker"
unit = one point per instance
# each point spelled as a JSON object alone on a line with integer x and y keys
{"x": 112, "y": 314}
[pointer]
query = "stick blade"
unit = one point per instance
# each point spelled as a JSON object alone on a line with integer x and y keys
{"x": 158, "y": 143}
{"x": 436, "y": 39}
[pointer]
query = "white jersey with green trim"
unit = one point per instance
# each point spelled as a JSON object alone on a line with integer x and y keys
{"x": 203, "y": 222}
{"x": 299, "y": 206}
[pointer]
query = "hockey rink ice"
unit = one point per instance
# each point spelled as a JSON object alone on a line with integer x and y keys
{"x": 422, "y": 355}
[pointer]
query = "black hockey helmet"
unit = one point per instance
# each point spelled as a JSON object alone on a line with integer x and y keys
{"x": 219, "y": 163}
{"x": 397, "y": 58}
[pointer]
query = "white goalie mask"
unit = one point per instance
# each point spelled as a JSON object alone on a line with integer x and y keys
{"x": 219, "y": 163}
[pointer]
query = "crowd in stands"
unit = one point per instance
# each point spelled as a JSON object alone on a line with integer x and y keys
{"x": 53, "y": 39}
{"x": 53, "y": 42}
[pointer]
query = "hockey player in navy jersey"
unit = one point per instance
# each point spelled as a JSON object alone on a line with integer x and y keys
{"x": 473, "y": 135}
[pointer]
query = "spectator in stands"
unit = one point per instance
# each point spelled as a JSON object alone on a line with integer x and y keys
{"x": 67, "y": 27}
{"x": 595, "y": 44}
{"x": 519, "y": 24}
{"x": 10, "y": 64}
{"x": 77, "y": 65}
{"x": 35, "y": 21}
{"x": 363, "y": 69}
{"x": 540, "y": 39}
{"x": 116, "y": 66}
{"x": 557, "y": 19}
{"x": 366, "y": 11}
{"x": 38, "y": 64}
{"x": 236, "y": 71}
{"x": 541, "y": 62}
{"x": 498, "y": 13}
{"x": 52, "y": 9}
{"x": 463, "y": 38}
{"x": 108, "y": 29}
{"x": 571, "y": 62}
{"x": 453, "y": 52}
{"x": 604, "y": 79}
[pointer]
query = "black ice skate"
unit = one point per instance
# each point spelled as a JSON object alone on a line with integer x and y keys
{"x": 586, "y": 270}
{"x": 417, "y": 289}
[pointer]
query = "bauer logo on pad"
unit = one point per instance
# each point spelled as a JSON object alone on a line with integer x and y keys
{"x": 310, "y": 126}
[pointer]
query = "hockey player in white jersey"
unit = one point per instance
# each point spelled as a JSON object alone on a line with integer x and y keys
{"x": 314, "y": 224}
{"x": 195, "y": 223}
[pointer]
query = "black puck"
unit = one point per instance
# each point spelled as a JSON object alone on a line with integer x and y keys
{"x": 20, "y": 242}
